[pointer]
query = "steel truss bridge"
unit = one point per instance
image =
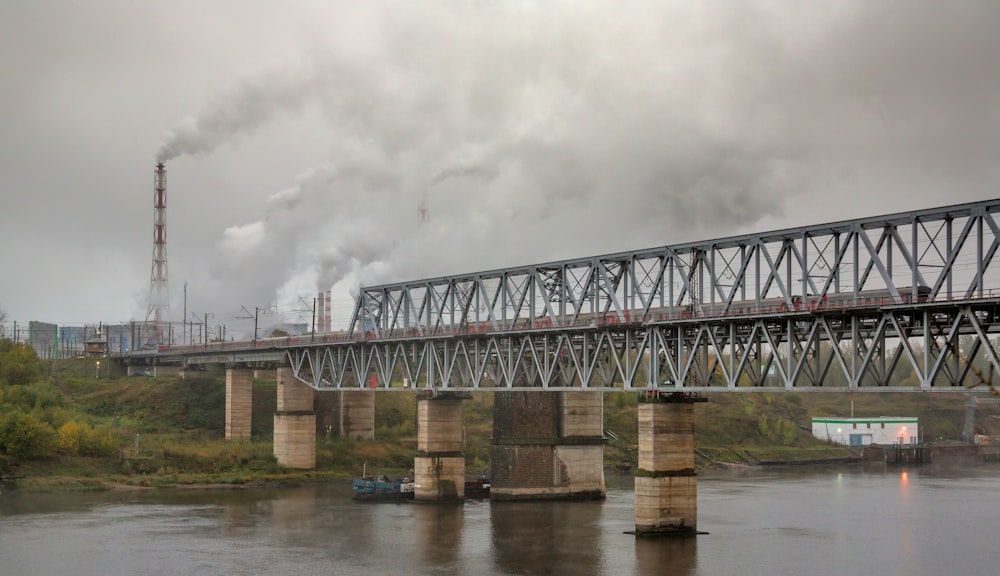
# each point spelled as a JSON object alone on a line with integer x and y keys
{"x": 900, "y": 302}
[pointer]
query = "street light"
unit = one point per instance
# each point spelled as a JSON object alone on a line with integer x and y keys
{"x": 97, "y": 370}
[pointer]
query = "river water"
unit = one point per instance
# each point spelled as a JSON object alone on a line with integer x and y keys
{"x": 915, "y": 521}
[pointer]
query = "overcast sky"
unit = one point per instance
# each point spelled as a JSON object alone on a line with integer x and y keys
{"x": 301, "y": 137}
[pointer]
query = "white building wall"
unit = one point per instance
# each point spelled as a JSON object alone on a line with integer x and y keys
{"x": 864, "y": 431}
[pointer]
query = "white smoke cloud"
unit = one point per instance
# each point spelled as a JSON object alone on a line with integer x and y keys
{"x": 568, "y": 132}
{"x": 243, "y": 239}
{"x": 237, "y": 114}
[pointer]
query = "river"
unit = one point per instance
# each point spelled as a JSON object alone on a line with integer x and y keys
{"x": 762, "y": 521}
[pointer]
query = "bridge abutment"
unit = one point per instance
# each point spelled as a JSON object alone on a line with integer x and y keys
{"x": 666, "y": 485}
{"x": 239, "y": 403}
{"x": 547, "y": 445}
{"x": 439, "y": 467}
{"x": 294, "y": 422}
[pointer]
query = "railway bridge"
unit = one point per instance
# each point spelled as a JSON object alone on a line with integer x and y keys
{"x": 900, "y": 302}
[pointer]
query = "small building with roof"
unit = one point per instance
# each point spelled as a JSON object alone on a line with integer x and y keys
{"x": 883, "y": 430}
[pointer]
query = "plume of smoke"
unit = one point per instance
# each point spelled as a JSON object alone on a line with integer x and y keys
{"x": 239, "y": 113}
{"x": 611, "y": 131}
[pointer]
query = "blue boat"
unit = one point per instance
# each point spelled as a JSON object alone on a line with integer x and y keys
{"x": 382, "y": 488}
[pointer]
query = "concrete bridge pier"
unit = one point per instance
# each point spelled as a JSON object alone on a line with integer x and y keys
{"x": 294, "y": 423}
{"x": 354, "y": 414}
{"x": 547, "y": 445}
{"x": 239, "y": 401}
{"x": 666, "y": 486}
{"x": 439, "y": 467}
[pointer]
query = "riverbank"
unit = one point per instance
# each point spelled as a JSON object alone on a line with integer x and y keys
{"x": 133, "y": 433}
{"x": 81, "y": 475}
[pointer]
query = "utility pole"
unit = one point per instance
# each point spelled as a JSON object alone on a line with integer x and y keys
{"x": 184, "y": 332}
{"x": 312, "y": 327}
{"x": 254, "y": 317}
{"x": 199, "y": 322}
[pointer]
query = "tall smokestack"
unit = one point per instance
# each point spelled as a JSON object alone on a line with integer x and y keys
{"x": 158, "y": 309}
{"x": 320, "y": 313}
{"x": 329, "y": 311}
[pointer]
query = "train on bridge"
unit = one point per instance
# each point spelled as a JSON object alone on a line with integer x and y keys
{"x": 769, "y": 307}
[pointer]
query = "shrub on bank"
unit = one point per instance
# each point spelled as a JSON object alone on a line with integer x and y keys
{"x": 26, "y": 437}
{"x": 19, "y": 364}
{"x": 79, "y": 439}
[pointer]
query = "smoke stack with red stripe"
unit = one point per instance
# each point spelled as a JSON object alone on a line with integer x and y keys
{"x": 320, "y": 313}
{"x": 329, "y": 311}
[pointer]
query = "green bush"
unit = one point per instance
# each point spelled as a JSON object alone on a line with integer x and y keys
{"x": 19, "y": 364}
{"x": 33, "y": 396}
{"x": 26, "y": 437}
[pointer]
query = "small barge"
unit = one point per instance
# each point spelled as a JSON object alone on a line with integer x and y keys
{"x": 379, "y": 488}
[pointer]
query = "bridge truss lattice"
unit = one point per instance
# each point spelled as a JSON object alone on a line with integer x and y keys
{"x": 903, "y": 301}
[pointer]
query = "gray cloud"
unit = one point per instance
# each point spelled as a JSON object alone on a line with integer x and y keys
{"x": 531, "y": 132}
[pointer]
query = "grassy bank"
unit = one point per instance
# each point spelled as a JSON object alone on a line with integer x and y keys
{"x": 155, "y": 432}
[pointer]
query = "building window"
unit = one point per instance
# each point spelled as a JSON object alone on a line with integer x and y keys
{"x": 883, "y": 425}
{"x": 869, "y": 425}
{"x": 855, "y": 425}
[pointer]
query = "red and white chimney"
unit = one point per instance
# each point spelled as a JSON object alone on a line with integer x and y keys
{"x": 320, "y": 313}
{"x": 329, "y": 311}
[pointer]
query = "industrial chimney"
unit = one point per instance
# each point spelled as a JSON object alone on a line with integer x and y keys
{"x": 158, "y": 310}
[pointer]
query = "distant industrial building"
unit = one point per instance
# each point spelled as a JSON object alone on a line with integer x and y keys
{"x": 884, "y": 430}
{"x": 120, "y": 338}
{"x": 44, "y": 338}
{"x": 53, "y": 342}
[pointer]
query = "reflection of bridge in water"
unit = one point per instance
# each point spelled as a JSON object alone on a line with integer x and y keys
{"x": 888, "y": 303}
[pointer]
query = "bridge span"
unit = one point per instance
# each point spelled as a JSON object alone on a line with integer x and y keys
{"x": 890, "y": 303}
{"x": 849, "y": 305}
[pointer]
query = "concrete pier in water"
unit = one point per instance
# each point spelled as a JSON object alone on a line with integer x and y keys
{"x": 439, "y": 467}
{"x": 666, "y": 485}
{"x": 547, "y": 445}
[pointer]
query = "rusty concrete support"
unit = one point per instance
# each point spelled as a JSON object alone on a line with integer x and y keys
{"x": 666, "y": 486}
{"x": 547, "y": 445}
{"x": 356, "y": 414}
{"x": 239, "y": 399}
{"x": 439, "y": 467}
{"x": 294, "y": 422}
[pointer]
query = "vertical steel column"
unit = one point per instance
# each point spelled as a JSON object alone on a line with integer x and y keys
{"x": 979, "y": 215}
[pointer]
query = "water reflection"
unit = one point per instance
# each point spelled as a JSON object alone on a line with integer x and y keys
{"x": 547, "y": 538}
{"x": 655, "y": 555}
{"x": 439, "y": 533}
{"x": 762, "y": 523}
